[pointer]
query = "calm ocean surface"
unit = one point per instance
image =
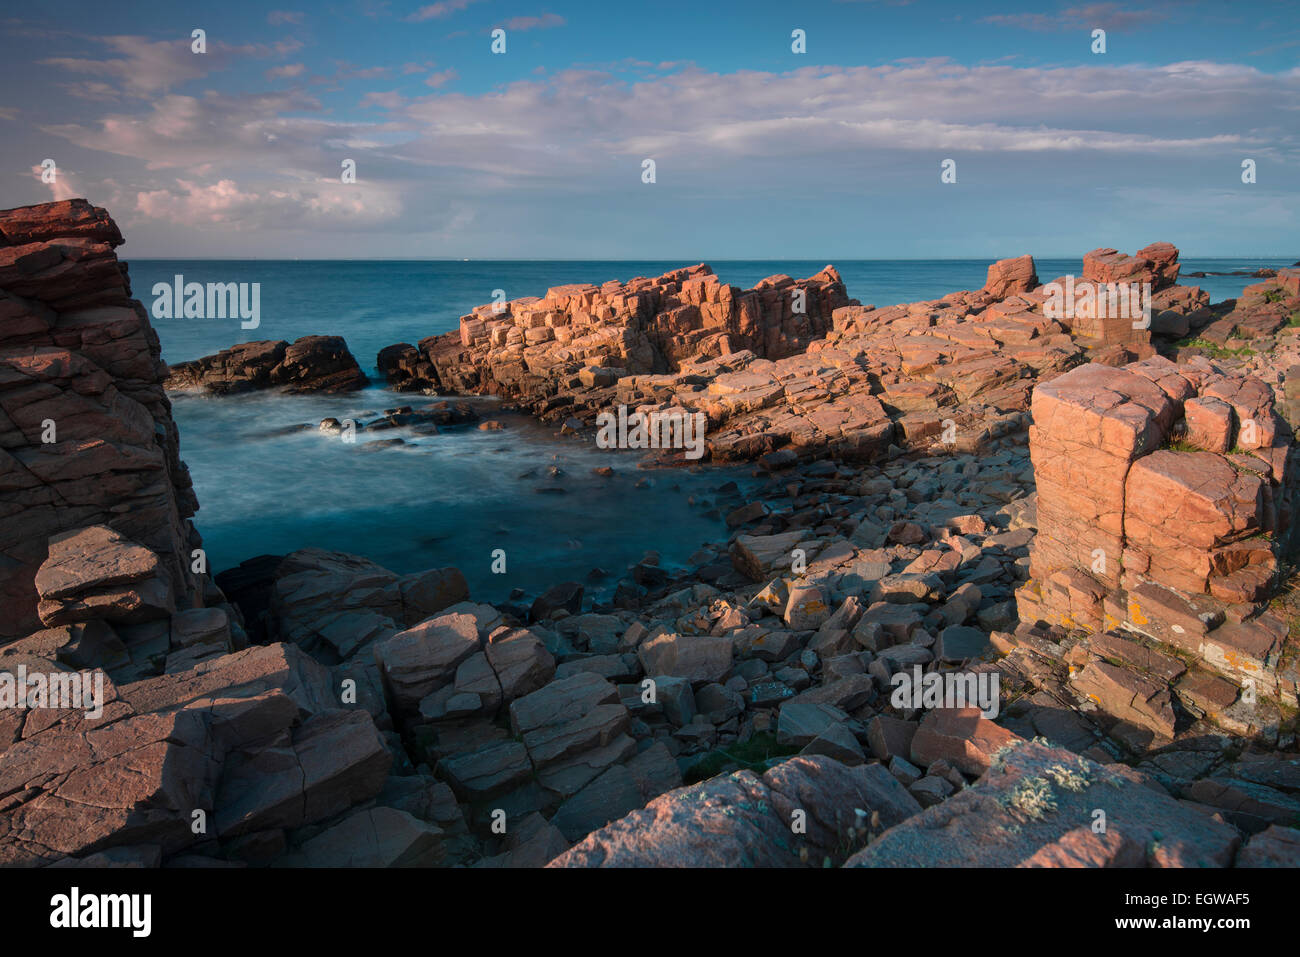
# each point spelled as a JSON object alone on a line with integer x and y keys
{"x": 451, "y": 499}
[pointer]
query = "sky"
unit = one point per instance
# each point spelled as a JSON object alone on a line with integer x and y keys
{"x": 759, "y": 151}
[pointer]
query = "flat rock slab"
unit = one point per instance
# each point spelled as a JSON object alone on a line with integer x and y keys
{"x": 1035, "y": 807}
{"x": 742, "y": 820}
{"x": 961, "y": 736}
{"x": 1275, "y": 847}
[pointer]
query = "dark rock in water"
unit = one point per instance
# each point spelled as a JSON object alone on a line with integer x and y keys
{"x": 628, "y": 595}
{"x": 311, "y": 364}
{"x": 406, "y": 370}
{"x": 650, "y": 576}
{"x": 780, "y": 459}
{"x": 566, "y": 596}
{"x": 288, "y": 430}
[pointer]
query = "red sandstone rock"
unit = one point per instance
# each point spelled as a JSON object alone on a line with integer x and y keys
{"x": 1026, "y": 812}
{"x": 1164, "y": 263}
{"x": 66, "y": 219}
{"x": 960, "y": 736}
{"x": 1154, "y": 540}
{"x": 78, "y": 353}
{"x": 95, "y": 574}
{"x": 1008, "y": 276}
{"x": 742, "y": 820}
{"x": 1209, "y": 424}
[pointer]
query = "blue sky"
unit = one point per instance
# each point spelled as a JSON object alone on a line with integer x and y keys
{"x": 759, "y": 152}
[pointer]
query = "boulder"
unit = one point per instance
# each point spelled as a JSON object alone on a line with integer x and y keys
{"x": 420, "y": 660}
{"x": 95, "y": 573}
{"x": 1010, "y": 276}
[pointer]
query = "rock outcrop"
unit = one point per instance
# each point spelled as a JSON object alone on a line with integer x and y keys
{"x": 781, "y": 386}
{"x": 247, "y": 746}
{"x": 86, "y": 431}
{"x": 1165, "y": 501}
{"x": 528, "y": 348}
{"x": 310, "y": 364}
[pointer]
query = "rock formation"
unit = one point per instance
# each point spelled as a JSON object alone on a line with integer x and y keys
{"x": 310, "y": 364}
{"x": 1165, "y": 499}
{"x": 958, "y": 369}
{"x": 1112, "y": 569}
{"x": 86, "y": 432}
{"x": 527, "y": 348}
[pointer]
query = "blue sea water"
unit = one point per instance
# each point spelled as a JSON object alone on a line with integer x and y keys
{"x": 453, "y": 498}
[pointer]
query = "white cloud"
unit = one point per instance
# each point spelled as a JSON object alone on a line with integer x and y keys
{"x": 288, "y": 71}
{"x": 144, "y": 67}
{"x": 440, "y": 10}
{"x": 440, "y": 78}
{"x": 544, "y": 22}
{"x": 319, "y": 202}
{"x": 271, "y": 159}
{"x": 64, "y": 185}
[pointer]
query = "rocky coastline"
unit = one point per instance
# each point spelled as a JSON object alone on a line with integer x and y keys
{"x": 1095, "y": 515}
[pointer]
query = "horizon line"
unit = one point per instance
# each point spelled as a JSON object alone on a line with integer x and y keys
{"x": 830, "y": 261}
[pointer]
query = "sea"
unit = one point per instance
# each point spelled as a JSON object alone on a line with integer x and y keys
{"x": 525, "y": 498}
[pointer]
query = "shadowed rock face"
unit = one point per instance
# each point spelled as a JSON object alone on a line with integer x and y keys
{"x": 253, "y": 741}
{"x": 86, "y": 432}
{"x": 311, "y": 364}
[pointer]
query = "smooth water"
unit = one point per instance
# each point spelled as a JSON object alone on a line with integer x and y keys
{"x": 453, "y": 498}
